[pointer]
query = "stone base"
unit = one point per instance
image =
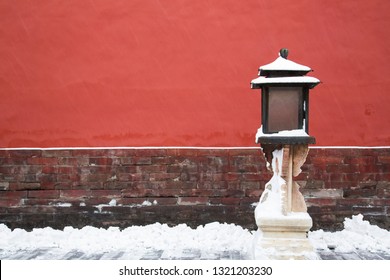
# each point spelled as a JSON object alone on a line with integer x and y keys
{"x": 284, "y": 249}
{"x": 284, "y": 238}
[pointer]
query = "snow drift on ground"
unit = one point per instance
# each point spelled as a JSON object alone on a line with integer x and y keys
{"x": 356, "y": 235}
{"x": 214, "y": 237}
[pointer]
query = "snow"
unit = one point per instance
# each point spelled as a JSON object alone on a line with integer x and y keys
{"x": 63, "y": 204}
{"x": 281, "y": 64}
{"x": 113, "y": 203}
{"x": 283, "y": 133}
{"x": 285, "y": 80}
{"x": 213, "y": 237}
{"x": 284, "y": 64}
{"x": 356, "y": 235}
{"x": 270, "y": 201}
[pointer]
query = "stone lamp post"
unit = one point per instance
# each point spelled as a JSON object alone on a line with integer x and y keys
{"x": 281, "y": 214}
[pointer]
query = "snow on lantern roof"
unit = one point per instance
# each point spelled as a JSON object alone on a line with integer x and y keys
{"x": 283, "y": 64}
{"x": 310, "y": 81}
{"x": 283, "y": 67}
{"x": 282, "y": 72}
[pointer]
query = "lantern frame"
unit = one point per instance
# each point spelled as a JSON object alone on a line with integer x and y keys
{"x": 287, "y": 79}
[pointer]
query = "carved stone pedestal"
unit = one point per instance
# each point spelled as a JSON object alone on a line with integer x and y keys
{"x": 285, "y": 237}
{"x": 281, "y": 214}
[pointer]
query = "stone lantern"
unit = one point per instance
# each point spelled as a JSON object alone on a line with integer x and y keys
{"x": 281, "y": 214}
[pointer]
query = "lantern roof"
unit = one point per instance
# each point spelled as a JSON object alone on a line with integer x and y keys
{"x": 283, "y": 65}
{"x": 307, "y": 80}
{"x": 284, "y": 72}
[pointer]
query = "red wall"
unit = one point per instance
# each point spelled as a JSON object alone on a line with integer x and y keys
{"x": 177, "y": 72}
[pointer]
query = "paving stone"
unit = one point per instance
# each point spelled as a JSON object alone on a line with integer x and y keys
{"x": 186, "y": 254}
{"x": 20, "y": 255}
{"x": 152, "y": 255}
{"x": 350, "y": 256}
{"x": 231, "y": 255}
{"x": 190, "y": 254}
{"x": 112, "y": 255}
{"x": 92, "y": 257}
{"x": 36, "y": 253}
{"x": 365, "y": 255}
{"x": 74, "y": 255}
{"x": 235, "y": 255}
{"x": 209, "y": 256}
{"x": 329, "y": 255}
{"x": 52, "y": 254}
{"x": 384, "y": 255}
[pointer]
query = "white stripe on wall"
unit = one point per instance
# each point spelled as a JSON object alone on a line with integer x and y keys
{"x": 185, "y": 147}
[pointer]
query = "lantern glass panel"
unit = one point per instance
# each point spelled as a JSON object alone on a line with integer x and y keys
{"x": 284, "y": 108}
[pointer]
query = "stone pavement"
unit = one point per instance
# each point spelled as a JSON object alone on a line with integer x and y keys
{"x": 186, "y": 254}
{"x": 354, "y": 255}
{"x": 152, "y": 254}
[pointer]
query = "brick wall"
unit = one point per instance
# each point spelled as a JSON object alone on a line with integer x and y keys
{"x": 123, "y": 187}
{"x": 344, "y": 182}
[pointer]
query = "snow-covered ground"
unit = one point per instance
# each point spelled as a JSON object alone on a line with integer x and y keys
{"x": 214, "y": 237}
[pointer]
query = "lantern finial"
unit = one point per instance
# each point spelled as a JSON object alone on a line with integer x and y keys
{"x": 283, "y": 53}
